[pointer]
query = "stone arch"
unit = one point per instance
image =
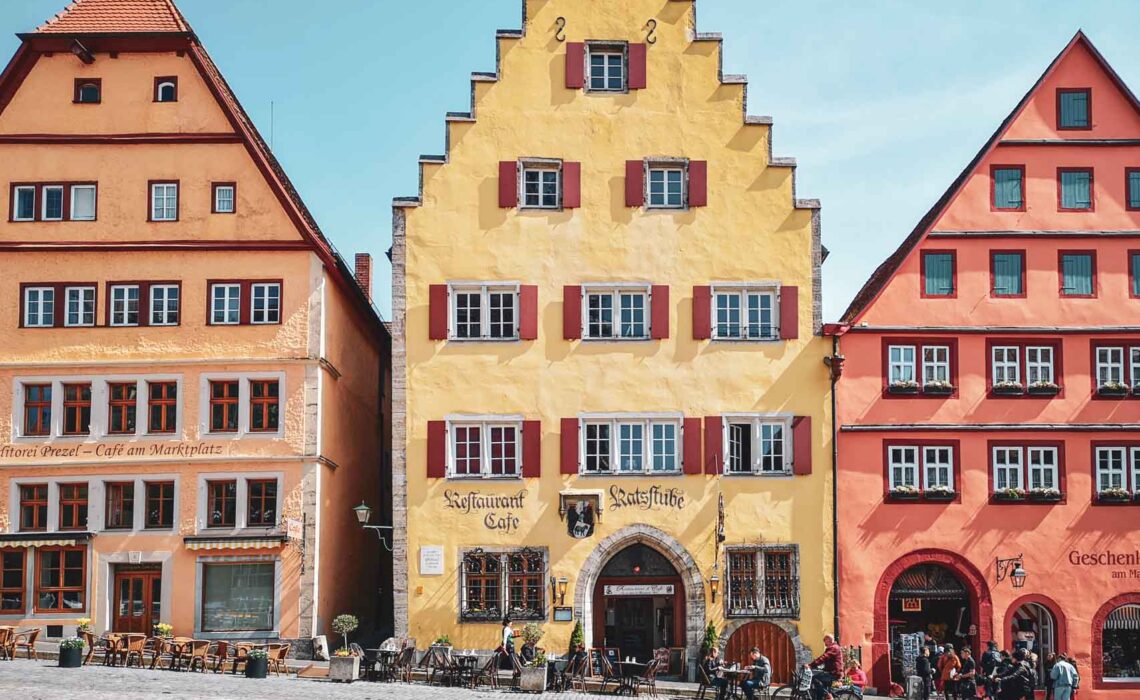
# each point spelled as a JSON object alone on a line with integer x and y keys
{"x": 1062, "y": 630}
{"x": 803, "y": 652}
{"x": 1098, "y": 640}
{"x": 966, "y": 572}
{"x": 672, "y": 550}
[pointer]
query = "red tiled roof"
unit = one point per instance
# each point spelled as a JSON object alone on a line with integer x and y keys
{"x": 116, "y": 17}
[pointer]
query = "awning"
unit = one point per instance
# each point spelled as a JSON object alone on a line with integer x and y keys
{"x": 1126, "y": 617}
{"x": 43, "y": 539}
{"x": 239, "y": 542}
{"x": 928, "y": 581}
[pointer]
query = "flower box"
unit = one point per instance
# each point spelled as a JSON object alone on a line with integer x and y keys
{"x": 1114, "y": 496}
{"x": 940, "y": 495}
{"x": 1044, "y": 389}
{"x": 1009, "y": 495}
{"x": 938, "y": 389}
{"x": 1112, "y": 389}
{"x": 1044, "y": 495}
{"x": 1008, "y": 389}
{"x": 344, "y": 669}
{"x": 903, "y": 388}
{"x": 903, "y": 495}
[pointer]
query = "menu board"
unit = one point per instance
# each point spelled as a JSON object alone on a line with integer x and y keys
{"x": 911, "y": 647}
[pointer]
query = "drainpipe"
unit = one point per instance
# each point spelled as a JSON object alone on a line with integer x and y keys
{"x": 835, "y": 487}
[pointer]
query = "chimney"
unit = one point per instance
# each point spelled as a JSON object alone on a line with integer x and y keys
{"x": 364, "y": 273}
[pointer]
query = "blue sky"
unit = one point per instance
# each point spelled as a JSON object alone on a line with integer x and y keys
{"x": 882, "y": 103}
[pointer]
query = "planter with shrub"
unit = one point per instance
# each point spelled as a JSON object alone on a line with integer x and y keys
{"x": 256, "y": 663}
{"x": 71, "y": 652}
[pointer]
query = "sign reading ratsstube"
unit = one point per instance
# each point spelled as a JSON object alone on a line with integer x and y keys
{"x": 501, "y": 510}
{"x": 652, "y": 498}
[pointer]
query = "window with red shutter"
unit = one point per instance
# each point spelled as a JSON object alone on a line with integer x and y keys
{"x": 569, "y": 450}
{"x": 572, "y": 312}
{"x": 714, "y": 445}
{"x": 789, "y": 312}
{"x": 659, "y": 302}
{"x": 532, "y": 449}
{"x": 691, "y": 457}
{"x": 437, "y": 312}
{"x": 528, "y": 312}
{"x": 637, "y": 73}
{"x": 436, "y": 449}
{"x": 508, "y": 184}
{"x": 698, "y": 183}
{"x": 634, "y": 183}
{"x": 702, "y": 313}
{"x": 801, "y": 445}
{"x": 575, "y": 65}
{"x": 571, "y": 185}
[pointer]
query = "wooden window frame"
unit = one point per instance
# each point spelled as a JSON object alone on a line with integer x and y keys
{"x": 14, "y": 191}
{"x": 162, "y": 502}
{"x": 151, "y": 287}
{"x": 230, "y": 404}
{"x": 993, "y": 273}
{"x": 993, "y": 187}
{"x": 1022, "y": 344}
{"x": 1092, "y": 190}
{"x": 1025, "y": 446}
{"x": 115, "y": 492}
{"x": 261, "y": 500}
{"x": 1088, "y": 102}
{"x": 615, "y": 292}
{"x": 744, "y": 291}
{"x": 646, "y": 423}
{"x": 540, "y": 165}
{"x": 244, "y": 301}
{"x": 1061, "y": 274}
{"x": 25, "y": 290}
{"x": 42, "y": 426}
{"x": 262, "y": 405}
{"x": 214, "y": 498}
{"x": 67, "y": 290}
{"x": 77, "y": 91}
{"x": 12, "y": 592}
{"x": 214, "y": 187}
{"x": 74, "y": 505}
{"x": 124, "y": 407}
{"x": 484, "y": 290}
{"x": 38, "y": 504}
{"x": 76, "y": 405}
{"x": 1128, "y": 205}
{"x": 159, "y": 82}
{"x": 150, "y": 186}
{"x": 39, "y": 200}
{"x": 923, "y": 294}
{"x": 756, "y": 423}
{"x": 666, "y": 165}
{"x": 112, "y": 287}
{"x": 167, "y": 405}
{"x": 60, "y": 589}
{"x": 759, "y": 584}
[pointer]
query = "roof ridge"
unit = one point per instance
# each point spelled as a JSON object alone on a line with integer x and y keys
{"x": 116, "y": 16}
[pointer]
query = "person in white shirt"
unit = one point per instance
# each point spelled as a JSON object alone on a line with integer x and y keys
{"x": 1064, "y": 676}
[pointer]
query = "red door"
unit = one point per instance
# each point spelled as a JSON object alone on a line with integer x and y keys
{"x": 138, "y": 597}
{"x": 774, "y": 643}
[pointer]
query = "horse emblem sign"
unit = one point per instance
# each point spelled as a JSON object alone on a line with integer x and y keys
{"x": 581, "y": 514}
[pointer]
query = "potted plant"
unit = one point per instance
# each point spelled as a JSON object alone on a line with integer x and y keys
{"x": 1112, "y": 388}
{"x": 1045, "y": 495}
{"x": 71, "y": 652}
{"x": 1008, "y": 388}
{"x": 1044, "y": 388}
{"x": 940, "y": 493}
{"x": 82, "y": 625}
{"x": 1113, "y": 495}
{"x": 533, "y": 675}
{"x": 442, "y": 641}
{"x": 711, "y": 639}
{"x": 256, "y": 663}
{"x": 903, "y": 386}
{"x": 938, "y": 387}
{"x": 1010, "y": 494}
{"x": 164, "y": 630}
{"x": 578, "y": 636}
{"x": 344, "y": 665}
{"x": 903, "y": 493}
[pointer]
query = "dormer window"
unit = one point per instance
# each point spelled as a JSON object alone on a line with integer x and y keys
{"x": 1074, "y": 108}
{"x": 166, "y": 89}
{"x": 88, "y": 91}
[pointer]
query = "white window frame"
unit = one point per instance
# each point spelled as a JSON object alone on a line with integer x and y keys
{"x": 485, "y": 424}
{"x": 269, "y": 316}
{"x": 1001, "y": 364}
{"x": 897, "y": 459}
{"x": 1134, "y": 357}
{"x": 1112, "y": 364}
{"x": 1123, "y": 471}
{"x": 243, "y": 381}
{"x": 680, "y": 167}
{"x": 936, "y": 369}
{"x": 1050, "y": 466}
{"x": 646, "y": 422}
{"x": 231, "y": 302}
{"x": 744, "y": 293}
{"x": 930, "y": 461}
{"x": 84, "y": 291}
{"x": 165, "y": 312}
{"x": 94, "y": 202}
{"x": 1040, "y": 361}
{"x": 241, "y": 500}
{"x": 163, "y": 212}
{"x": 484, "y": 290}
{"x": 1010, "y": 467}
{"x": 898, "y": 365}
{"x": 540, "y": 167}
{"x": 44, "y": 202}
{"x": 615, "y": 293}
{"x": 16, "y": 202}
{"x": 120, "y": 308}
{"x": 757, "y": 422}
{"x": 100, "y": 407}
{"x": 609, "y": 50}
{"x": 163, "y": 85}
{"x": 36, "y": 321}
{"x": 218, "y": 189}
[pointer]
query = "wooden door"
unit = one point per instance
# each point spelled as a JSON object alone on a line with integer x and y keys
{"x": 774, "y": 643}
{"x": 138, "y": 596}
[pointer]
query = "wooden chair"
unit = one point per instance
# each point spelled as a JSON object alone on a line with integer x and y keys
{"x": 5, "y": 643}
{"x": 25, "y": 640}
{"x": 93, "y": 645}
{"x": 216, "y": 656}
{"x": 197, "y": 655}
{"x": 404, "y": 664}
{"x": 488, "y": 672}
{"x": 134, "y": 647}
{"x": 703, "y": 682}
{"x": 278, "y": 657}
{"x": 608, "y": 674}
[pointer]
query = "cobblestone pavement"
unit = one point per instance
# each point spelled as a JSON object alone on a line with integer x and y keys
{"x": 32, "y": 680}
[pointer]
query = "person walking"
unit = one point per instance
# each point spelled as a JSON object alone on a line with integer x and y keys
{"x": 949, "y": 666}
{"x": 1018, "y": 680}
{"x": 923, "y": 670}
{"x": 968, "y": 676}
{"x": 1062, "y": 677}
{"x": 991, "y": 657}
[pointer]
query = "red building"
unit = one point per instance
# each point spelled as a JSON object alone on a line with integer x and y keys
{"x": 989, "y": 404}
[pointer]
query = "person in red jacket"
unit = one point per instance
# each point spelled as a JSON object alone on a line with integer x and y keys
{"x": 830, "y": 665}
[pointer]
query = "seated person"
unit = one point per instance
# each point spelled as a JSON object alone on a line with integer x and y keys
{"x": 856, "y": 674}
{"x": 527, "y": 653}
{"x": 713, "y": 667}
{"x": 761, "y": 677}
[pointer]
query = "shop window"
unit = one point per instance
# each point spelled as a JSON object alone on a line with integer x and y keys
{"x": 484, "y": 312}
{"x": 122, "y": 409}
{"x": 1120, "y": 644}
{"x": 221, "y": 503}
{"x": 262, "y": 503}
{"x": 757, "y": 445}
{"x": 617, "y": 313}
{"x": 486, "y": 449}
{"x": 72, "y": 506}
{"x": 763, "y": 581}
{"x": 77, "y": 409}
{"x": 159, "y": 505}
{"x": 12, "y": 562}
{"x": 238, "y": 596}
{"x": 503, "y": 584}
{"x": 162, "y": 407}
{"x": 120, "y": 514}
{"x": 632, "y": 445}
{"x": 33, "y": 507}
{"x": 264, "y": 401}
{"x": 61, "y": 579}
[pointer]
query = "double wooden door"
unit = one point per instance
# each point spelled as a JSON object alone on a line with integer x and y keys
{"x": 138, "y": 599}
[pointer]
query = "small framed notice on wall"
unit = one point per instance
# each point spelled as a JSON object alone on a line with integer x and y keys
{"x": 563, "y": 614}
{"x": 431, "y": 561}
{"x": 912, "y": 604}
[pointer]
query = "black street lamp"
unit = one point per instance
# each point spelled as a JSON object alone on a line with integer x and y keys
{"x": 363, "y": 515}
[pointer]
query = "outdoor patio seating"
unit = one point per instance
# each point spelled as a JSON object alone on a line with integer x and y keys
{"x": 6, "y": 634}
{"x": 488, "y": 672}
{"x": 277, "y": 656}
{"x": 133, "y": 649}
{"x": 195, "y": 654}
{"x": 577, "y": 674}
{"x": 608, "y": 673}
{"x": 94, "y": 645}
{"x": 26, "y": 640}
{"x": 216, "y": 656}
{"x": 405, "y": 663}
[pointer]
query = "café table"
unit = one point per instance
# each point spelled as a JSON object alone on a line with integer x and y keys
{"x": 114, "y": 646}
{"x": 385, "y": 659}
{"x": 736, "y": 678}
{"x": 631, "y": 671}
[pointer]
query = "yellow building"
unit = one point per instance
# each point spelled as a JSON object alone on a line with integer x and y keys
{"x": 606, "y": 334}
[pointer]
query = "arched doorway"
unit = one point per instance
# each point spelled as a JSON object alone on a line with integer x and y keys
{"x": 639, "y": 603}
{"x": 929, "y": 591}
{"x": 773, "y": 642}
{"x": 1116, "y": 643}
{"x": 1035, "y": 622}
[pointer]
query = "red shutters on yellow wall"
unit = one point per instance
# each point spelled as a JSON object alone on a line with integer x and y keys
{"x": 571, "y": 172}
{"x": 528, "y": 312}
{"x": 572, "y": 312}
{"x": 439, "y": 314}
{"x": 569, "y": 446}
{"x": 801, "y": 445}
{"x": 532, "y": 449}
{"x": 571, "y": 185}
{"x": 576, "y": 66}
{"x": 637, "y": 72}
{"x": 508, "y": 184}
{"x": 691, "y": 457}
{"x": 702, "y": 313}
{"x": 789, "y": 313}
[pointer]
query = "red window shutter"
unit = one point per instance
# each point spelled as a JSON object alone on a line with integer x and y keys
{"x": 532, "y": 449}
{"x": 569, "y": 445}
{"x": 528, "y": 312}
{"x": 789, "y": 313}
{"x": 637, "y": 66}
{"x": 575, "y": 65}
{"x": 436, "y": 449}
{"x": 698, "y": 183}
{"x": 571, "y": 185}
{"x": 572, "y": 312}
{"x": 691, "y": 456}
{"x": 801, "y": 445}
{"x": 634, "y": 183}
{"x": 437, "y": 312}
{"x": 714, "y": 445}
{"x": 702, "y": 313}
{"x": 508, "y": 184}
{"x": 659, "y": 312}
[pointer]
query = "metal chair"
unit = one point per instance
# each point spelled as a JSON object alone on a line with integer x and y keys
{"x": 488, "y": 672}
{"x": 608, "y": 675}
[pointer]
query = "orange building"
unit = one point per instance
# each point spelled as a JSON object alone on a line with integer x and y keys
{"x": 192, "y": 376}
{"x": 989, "y": 459}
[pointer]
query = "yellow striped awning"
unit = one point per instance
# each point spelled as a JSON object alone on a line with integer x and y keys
{"x": 54, "y": 542}
{"x": 196, "y": 544}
